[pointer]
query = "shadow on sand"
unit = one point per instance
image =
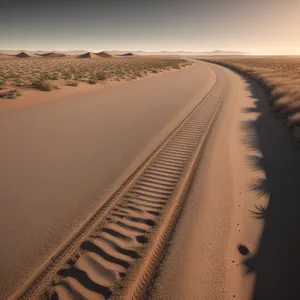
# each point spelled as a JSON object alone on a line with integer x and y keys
{"x": 277, "y": 261}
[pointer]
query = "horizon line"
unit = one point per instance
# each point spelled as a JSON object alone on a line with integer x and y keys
{"x": 159, "y": 51}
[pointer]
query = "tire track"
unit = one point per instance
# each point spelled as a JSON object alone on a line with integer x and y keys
{"x": 117, "y": 257}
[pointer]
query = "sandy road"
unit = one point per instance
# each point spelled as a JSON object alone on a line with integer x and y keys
{"x": 243, "y": 193}
{"x": 59, "y": 159}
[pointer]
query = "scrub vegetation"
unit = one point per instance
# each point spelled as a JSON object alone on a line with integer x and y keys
{"x": 49, "y": 73}
{"x": 280, "y": 76}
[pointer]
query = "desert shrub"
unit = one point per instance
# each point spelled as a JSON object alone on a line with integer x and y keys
{"x": 78, "y": 76}
{"x": 10, "y": 94}
{"x": 19, "y": 82}
{"x": 101, "y": 76}
{"x": 2, "y": 81}
{"x": 54, "y": 76}
{"x": 11, "y": 75}
{"x": 67, "y": 76}
{"x": 42, "y": 85}
{"x": 15, "y": 94}
{"x": 92, "y": 81}
{"x": 72, "y": 83}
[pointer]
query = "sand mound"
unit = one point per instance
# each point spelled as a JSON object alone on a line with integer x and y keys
{"x": 127, "y": 54}
{"x": 24, "y": 55}
{"x": 53, "y": 54}
{"x": 88, "y": 55}
{"x": 104, "y": 54}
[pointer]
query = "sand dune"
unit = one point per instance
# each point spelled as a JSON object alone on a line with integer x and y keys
{"x": 24, "y": 55}
{"x": 104, "y": 54}
{"x": 54, "y": 54}
{"x": 127, "y": 54}
{"x": 88, "y": 55}
{"x": 95, "y": 55}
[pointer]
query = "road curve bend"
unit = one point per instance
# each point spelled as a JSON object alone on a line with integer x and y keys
{"x": 59, "y": 160}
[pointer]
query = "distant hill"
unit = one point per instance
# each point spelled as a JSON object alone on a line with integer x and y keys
{"x": 88, "y": 55}
{"x": 53, "y": 54}
{"x": 104, "y": 54}
{"x": 24, "y": 55}
{"x": 124, "y": 52}
{"x": 127, "y": 54}
{"x": 39, "y": 52}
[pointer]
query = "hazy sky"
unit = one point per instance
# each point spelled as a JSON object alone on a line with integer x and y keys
{"x": 259, "y": 26}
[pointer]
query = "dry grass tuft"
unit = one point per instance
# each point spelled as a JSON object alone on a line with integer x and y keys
{"x": 42, "y": 85}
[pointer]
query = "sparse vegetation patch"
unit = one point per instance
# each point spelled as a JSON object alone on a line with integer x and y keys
{"x": 42, "y": 85}
{"x": 46, "y": 72}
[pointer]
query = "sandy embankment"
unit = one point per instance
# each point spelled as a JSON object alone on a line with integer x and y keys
{"x": 31, "y": 96}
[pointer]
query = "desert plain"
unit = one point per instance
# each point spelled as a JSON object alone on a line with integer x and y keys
{"x": 167, "y": 177}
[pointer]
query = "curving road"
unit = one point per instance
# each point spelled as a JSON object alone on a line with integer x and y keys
{"x": 59, "y": 159}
